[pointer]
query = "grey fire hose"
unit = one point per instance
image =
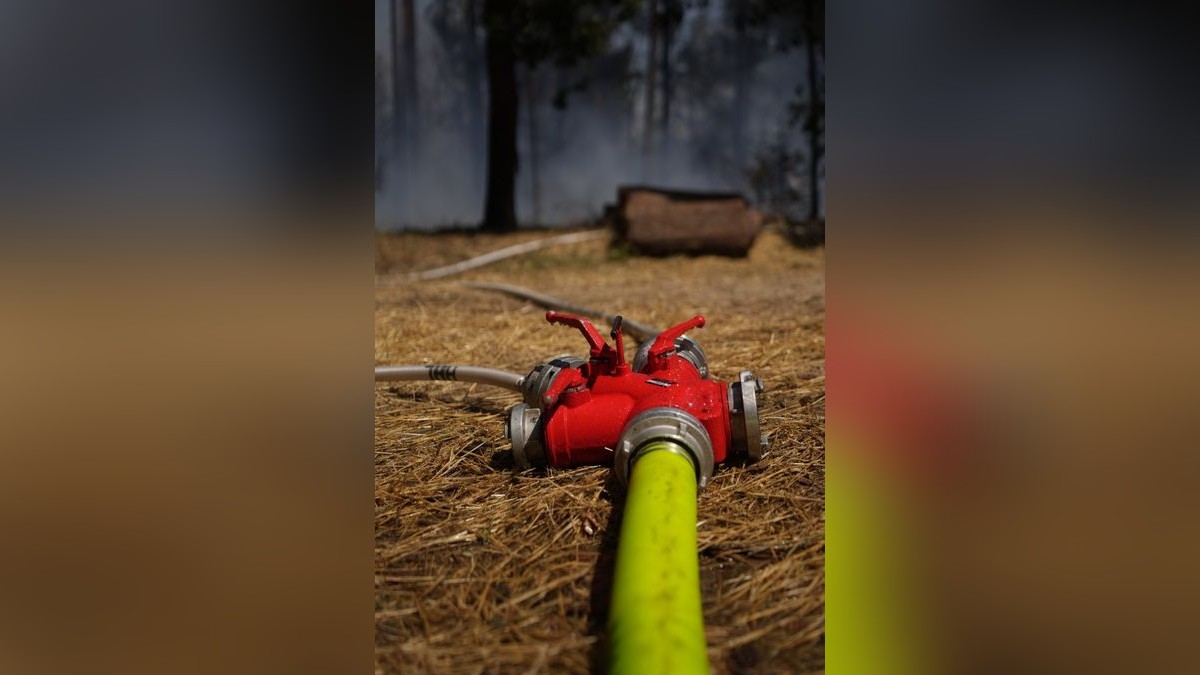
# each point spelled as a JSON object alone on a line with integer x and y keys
{"x": 476, "y": 374}
{"x": 638, "y": 330}
{"x": 511, "y": 380}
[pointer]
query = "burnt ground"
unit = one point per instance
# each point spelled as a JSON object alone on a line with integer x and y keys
{"x": 480, "y": 569}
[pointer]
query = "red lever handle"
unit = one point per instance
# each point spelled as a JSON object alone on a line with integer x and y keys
{"x": 595, "y": 342}
{"x": 610, "y": 360}
{"x": 665, "y": 341}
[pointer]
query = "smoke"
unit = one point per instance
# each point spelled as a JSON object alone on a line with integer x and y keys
{"x": 573, "y": 158}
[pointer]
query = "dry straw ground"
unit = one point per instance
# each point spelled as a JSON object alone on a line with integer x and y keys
{"x": 481, "y": 569}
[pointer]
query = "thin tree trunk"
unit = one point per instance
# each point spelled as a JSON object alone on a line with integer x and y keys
{"x": 410, "y": 78}
{"x": 405, "y": 133}
{"x": 399, "y": 123}
{"x": 651, "y": 86}
{"x": 531, "y": 115}
{"x": 382, "y": 120}
{"x": 664, "y": 138}
{"x": 499, "y": 211}
{"x": 474, "y": 95}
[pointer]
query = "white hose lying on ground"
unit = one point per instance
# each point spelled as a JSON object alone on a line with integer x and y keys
{"x": 508, "y": 252}
{"x": 493, "y": 376}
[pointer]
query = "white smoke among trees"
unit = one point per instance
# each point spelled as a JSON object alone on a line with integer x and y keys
{"x": 582, "y": 129}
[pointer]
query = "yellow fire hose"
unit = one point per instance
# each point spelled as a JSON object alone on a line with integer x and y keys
{"x": 655, "y": 621}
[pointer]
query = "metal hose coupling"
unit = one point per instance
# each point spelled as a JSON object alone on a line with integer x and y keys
{"x": 685, "y": 347}
{"x": 743, "y": 412}
{"x": 537, "y": 383}
{"x": 665, "y": 424}
{"x": 524, "y": 429}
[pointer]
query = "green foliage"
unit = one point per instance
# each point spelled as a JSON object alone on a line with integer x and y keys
{"x": 554, "y": 31}
{"x": 564, "y": 33}
{"x": 782, "y": 24}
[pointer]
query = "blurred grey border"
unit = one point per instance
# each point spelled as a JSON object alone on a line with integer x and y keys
{"x": 186, "y": 236}
{"x": 1014, "y": 199}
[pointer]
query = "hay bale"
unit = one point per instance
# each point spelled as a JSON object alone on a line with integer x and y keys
{"x": 662, "y": 222}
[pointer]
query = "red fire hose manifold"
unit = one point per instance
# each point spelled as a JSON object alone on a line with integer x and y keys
{"x": 604, "y": 410}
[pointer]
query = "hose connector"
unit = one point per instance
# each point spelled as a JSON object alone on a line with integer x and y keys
{"x": 670, "y": 424}
{"x": 524, "y": 429}
{"x": 538, "y": 382}
{"x": 745, "y": 429}
{"x": 685, "y": 347}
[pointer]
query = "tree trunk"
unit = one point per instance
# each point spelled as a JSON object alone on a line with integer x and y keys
{"x": 474, "y": 96}
{"x": 651, "y": 86}
{"x": 410, "y": 79}
{"x": 405, "y": 134}
{"x": 398, "y": 122}
{"x": 531, "y": 117}
{"x": 664, "y": 123}
{"x": 382, "y": 123}
{"x": 499, "y": 211}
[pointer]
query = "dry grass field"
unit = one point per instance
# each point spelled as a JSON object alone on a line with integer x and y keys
{"x": 482, "y": 569}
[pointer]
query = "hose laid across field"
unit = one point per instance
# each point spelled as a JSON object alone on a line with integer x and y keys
{"x": 476, "y": 374}
{"x": 639, "y": 331}
{"x": 508, "y": 252}
{"x": 504, "y": 378}
{"x": 655, "y": 621}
